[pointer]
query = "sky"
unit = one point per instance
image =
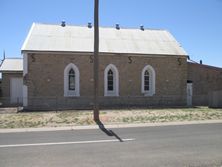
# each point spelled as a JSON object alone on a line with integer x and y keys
{"x": 196, "y": 24}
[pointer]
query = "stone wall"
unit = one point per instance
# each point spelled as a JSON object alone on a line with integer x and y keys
{"x": 215, "y": 99}
{"x": 45, "y": 79}
{"x": 205, "y": 80}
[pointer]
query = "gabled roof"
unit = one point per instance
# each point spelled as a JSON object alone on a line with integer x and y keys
{"x": 12, "y": 65}
{"x": 44, "y": 37}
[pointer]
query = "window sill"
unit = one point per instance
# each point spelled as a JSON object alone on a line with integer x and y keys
{"x": 111, "y": 95}
{"x": 148, "y": 93}
{"x": 71, "y": 95}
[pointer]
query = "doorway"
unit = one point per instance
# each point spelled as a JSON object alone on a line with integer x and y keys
{"x": 189, "y": 93}
{"x": 16, "y": 85}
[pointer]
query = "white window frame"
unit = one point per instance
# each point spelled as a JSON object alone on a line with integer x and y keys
{"x": 115, "y": 91}
{"x": 67, "y": 92}
{"x": 152, "y": 80}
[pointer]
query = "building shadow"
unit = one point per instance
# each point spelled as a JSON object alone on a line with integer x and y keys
{"x": 108, "y": 132}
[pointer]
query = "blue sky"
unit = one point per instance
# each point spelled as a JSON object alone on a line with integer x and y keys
{"x": 196, "y": 24}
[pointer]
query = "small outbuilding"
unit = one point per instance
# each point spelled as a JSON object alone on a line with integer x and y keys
{"x": 206, "y": 84}
{"x": 12, "y": 81}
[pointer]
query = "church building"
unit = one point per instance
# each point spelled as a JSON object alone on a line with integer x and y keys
{"x": 137, "y": 68}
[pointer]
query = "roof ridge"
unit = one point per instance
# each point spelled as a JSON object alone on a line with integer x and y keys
{"x": 113, "y": 27}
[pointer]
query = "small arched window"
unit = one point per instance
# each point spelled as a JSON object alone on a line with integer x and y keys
{"x": 111, "y": 81}
{"x": 148, "y": 81}
{"x": 71, "y": 80}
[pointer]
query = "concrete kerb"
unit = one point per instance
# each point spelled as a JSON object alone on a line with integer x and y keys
{"x": 44, "y": 129}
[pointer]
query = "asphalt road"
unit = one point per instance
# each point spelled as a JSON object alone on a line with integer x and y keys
{"x": 183, "y": 145}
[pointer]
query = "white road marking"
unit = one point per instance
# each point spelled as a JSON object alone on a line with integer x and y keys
{"x": 64, "y": 143}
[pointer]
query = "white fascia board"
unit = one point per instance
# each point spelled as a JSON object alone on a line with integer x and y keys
{"x": 27, "y": 38}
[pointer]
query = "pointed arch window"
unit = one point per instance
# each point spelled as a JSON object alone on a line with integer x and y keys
{"x": 71, "y": 80}
{"x": 148, "y": 81}
{"x": 111, "y": 81}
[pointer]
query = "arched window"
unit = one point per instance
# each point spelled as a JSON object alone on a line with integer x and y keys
{"x": 71, "y": 80}
{"x": 111, "y": 81}
{"x": 148, "y": 81}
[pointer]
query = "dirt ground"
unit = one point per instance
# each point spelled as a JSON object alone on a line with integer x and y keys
{"x": 10, "y": 118}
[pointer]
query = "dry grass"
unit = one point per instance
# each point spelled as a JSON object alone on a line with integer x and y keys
{"x": 72, "y": 118}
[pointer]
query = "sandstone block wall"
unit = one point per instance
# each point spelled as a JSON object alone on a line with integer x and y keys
{"x": 45, "y": 79}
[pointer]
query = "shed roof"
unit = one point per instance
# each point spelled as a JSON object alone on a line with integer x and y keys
{"x": 12, "y": 65}
{"x": 45, "y": 37}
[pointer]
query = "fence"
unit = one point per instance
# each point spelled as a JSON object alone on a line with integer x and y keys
{"x": 86, "y": 102}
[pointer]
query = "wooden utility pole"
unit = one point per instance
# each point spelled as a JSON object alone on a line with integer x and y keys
{"x": 96, "y": 61}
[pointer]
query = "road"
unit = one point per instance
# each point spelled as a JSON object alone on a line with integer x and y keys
{"x": 181, "y": 145}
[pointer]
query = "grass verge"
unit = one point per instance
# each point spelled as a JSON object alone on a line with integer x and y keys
{"x": 74, "y": 118}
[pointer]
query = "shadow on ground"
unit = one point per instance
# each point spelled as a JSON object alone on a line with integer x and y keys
{"x": 108, "y": 132}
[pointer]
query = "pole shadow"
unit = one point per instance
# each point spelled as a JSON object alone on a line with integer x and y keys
{"x": 108, "y": 132}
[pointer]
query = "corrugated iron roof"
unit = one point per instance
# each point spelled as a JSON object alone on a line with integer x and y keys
{"x": 12, "y": 65}
{"x": 44, "y": 37}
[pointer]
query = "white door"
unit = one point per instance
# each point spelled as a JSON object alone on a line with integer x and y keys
{"x": 189, "y": 94}
{"x": 16, "y": 85}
